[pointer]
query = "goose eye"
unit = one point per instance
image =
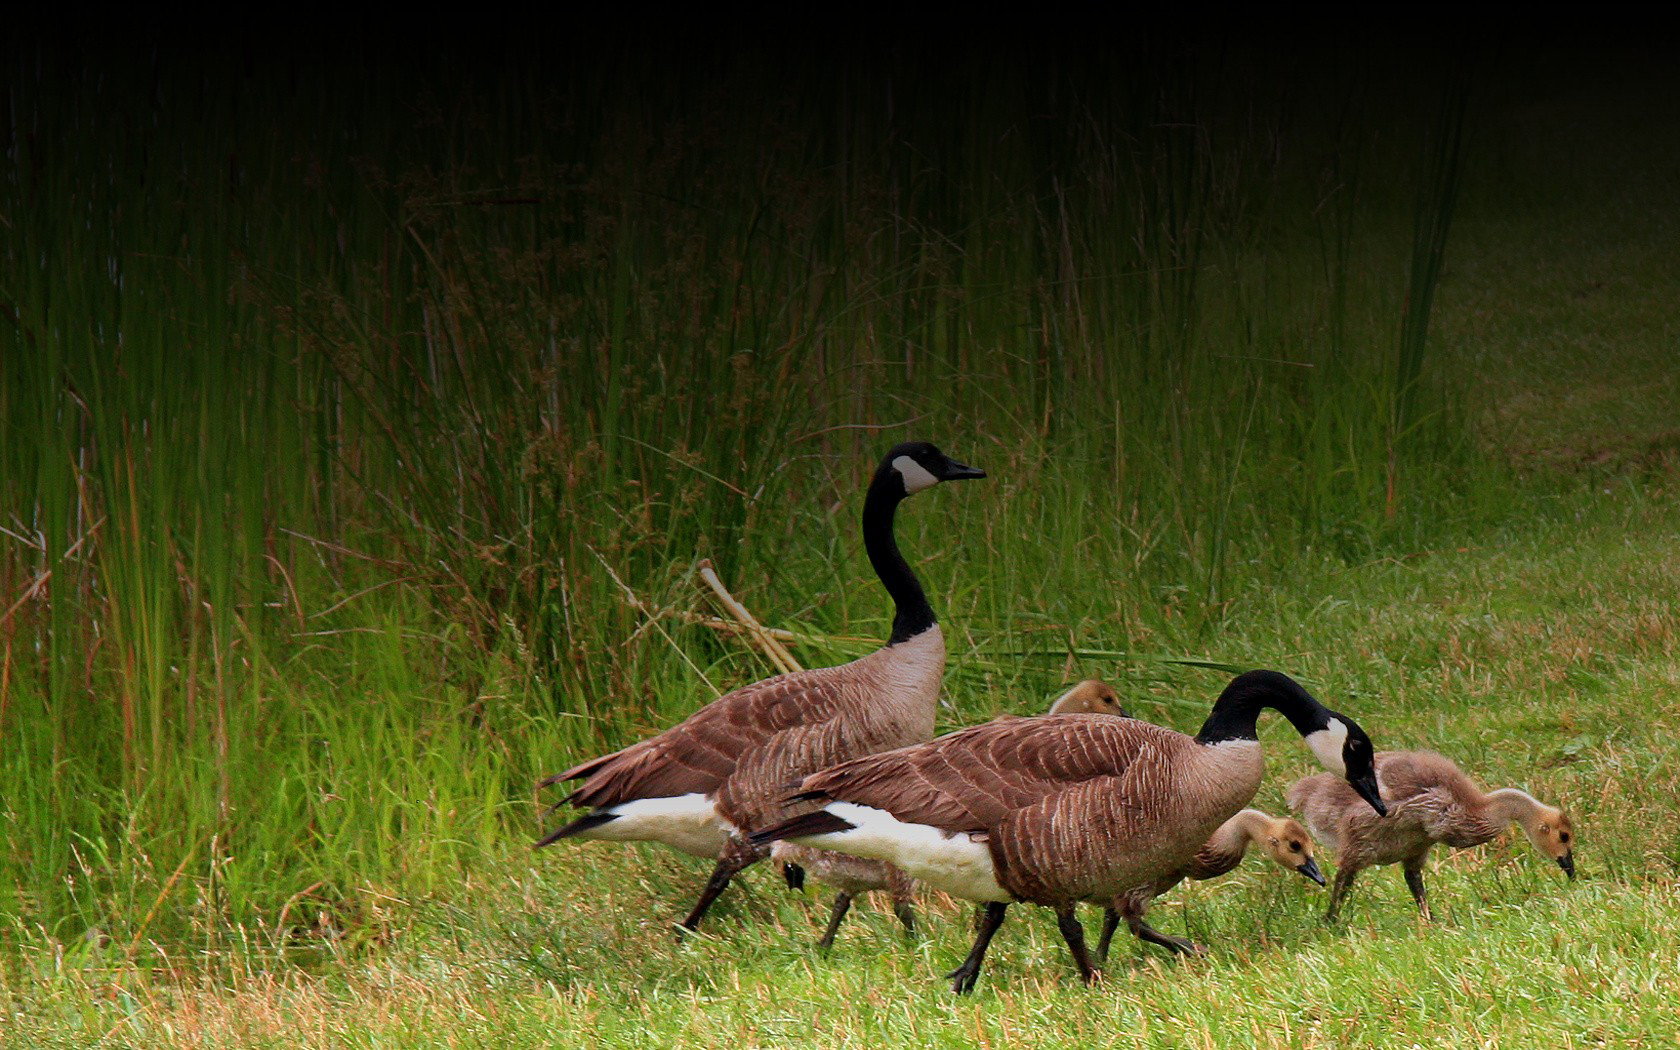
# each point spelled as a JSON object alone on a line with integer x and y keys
{"x": 1563, "y": 836}
{"x": 1294, "y": 847}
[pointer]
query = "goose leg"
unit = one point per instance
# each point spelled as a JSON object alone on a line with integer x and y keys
{"x": 1345, "y": 873}
{"x": 1073, "y": 932}
{"x": 842, "y": 902}
{"x": 1111, "y": 922}
{"x": 964, "y": 976}
{"x": 736, "y": 856}
{"x": 1413, "y": 867}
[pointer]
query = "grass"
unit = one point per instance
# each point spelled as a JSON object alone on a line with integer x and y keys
{"x": 353, "y": 478}
{"x": 1553, "y": 672}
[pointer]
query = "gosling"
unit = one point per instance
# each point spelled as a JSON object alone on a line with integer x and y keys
{"x": 1429, "y": 800}
{"x": 1279, "y": 838}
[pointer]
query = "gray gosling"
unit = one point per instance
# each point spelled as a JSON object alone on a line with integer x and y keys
{"x": 854, "y": 875}
{"x": 704, "y": 784}
{"x": 1429, "y": 800}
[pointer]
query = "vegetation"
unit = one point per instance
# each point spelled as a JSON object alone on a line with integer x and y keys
{"x": 361, "y": 431}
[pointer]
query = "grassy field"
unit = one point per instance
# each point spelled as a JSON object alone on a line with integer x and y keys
{"x": 356, "y": 459}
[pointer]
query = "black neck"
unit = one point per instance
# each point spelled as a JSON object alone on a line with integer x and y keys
{"x": 1235, "y": 711}
{"x": 914, "y": 615}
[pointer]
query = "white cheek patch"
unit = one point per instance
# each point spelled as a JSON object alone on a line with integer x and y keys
{"x": 1327, "y": 744}
{"x": 956, "y": 863}
{"x": 916, "y": 477}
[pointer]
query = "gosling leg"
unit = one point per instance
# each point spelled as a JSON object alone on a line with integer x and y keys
{"x": 1413, "y": 867}
{"x": 1145, "y": 932}
{"x": 1345, "y": 874}
{"x": 903, "y": 893}
{"x": 907, "y": 915}
{"x": 842, "y": 903}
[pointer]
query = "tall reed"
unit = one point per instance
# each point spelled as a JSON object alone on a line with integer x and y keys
{"x": 362, "y": 427}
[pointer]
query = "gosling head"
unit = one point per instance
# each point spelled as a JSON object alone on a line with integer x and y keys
{"x": 919, "y": 465}
{"x": 1344, "y": 749}
{"x": 1093, "y": 696}
{"x": 1553, "y": 835}
{"x": 1287, "y": 843}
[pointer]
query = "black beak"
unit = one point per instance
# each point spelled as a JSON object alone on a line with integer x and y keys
{"x": 1567, "y": 863}
{"x": 1367, "y": 788}
{"x": 1310, "y": 870}
{"x": 955, "y": 471}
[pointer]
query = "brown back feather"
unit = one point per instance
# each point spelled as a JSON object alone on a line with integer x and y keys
{"x": 970, "y": 781}
{"x": 699, "y": 753}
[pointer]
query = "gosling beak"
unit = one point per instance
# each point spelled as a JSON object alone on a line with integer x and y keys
{"x": 955, "y": 471}
{"x": 1567, "y": 863}
{"x": 1310, "y": 870}
{"x": 1367, "y": 788}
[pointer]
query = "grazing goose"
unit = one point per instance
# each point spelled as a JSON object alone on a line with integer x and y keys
{"x": 1430, "y": 800}
{"x": 1062, "y": 809}
{"x": 702, "y": 784}
{"x": 854, "y": 875}
{"x": 1280, "y": 838}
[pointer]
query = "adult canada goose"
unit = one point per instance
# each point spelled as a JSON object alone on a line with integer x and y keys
{"x": 702, "y": 784}
{"x": 1430, "y": 800}
{"x": 1062, "y": 809}
{"x": 1280, "y": 838}
{"x": 854, "y": 875}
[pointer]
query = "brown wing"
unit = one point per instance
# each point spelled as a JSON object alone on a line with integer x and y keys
{"x": 970, "y": 781}
{"x": 702, "y": 751}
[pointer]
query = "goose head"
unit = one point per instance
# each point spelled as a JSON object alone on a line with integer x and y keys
{"x": 1343, "y": 748}
{"x": 1287, "y": 842}
{"x": 918, "y": 465}
{"x": 1093, "y": 696}
{"x": 1553, "y": 835}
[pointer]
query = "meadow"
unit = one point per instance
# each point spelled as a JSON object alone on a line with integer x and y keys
{"x": 363, "y": 425}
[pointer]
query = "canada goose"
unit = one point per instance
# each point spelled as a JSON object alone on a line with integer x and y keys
{"x": 1064, "y": 808}
{"x": 1430, "y": 800}
{"x": 1280, "y": 838}
{"x": 854, "y": 875}
{"x": 702, "y": 784}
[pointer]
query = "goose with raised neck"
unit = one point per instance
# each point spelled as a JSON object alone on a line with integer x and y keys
{"x": 704, "y": 784}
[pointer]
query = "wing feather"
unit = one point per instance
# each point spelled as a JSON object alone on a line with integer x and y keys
{"x": 701, "y": 752}
{"x": 971, "y": 780}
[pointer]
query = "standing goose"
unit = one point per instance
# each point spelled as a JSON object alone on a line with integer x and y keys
{"x": 1430, "y": 800}
{"x": 702, "y": 784}
{"x": 854, "y": 875}
{"x": 1062, "y": 809}
{"x": 1283, "y": 840}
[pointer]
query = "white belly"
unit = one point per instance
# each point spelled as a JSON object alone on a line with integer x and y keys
{"x": 957, "y": 864}
{"x": 689, "y": 823}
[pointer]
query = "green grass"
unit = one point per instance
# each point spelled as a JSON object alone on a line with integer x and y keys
{"x": 355, "y": 460}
